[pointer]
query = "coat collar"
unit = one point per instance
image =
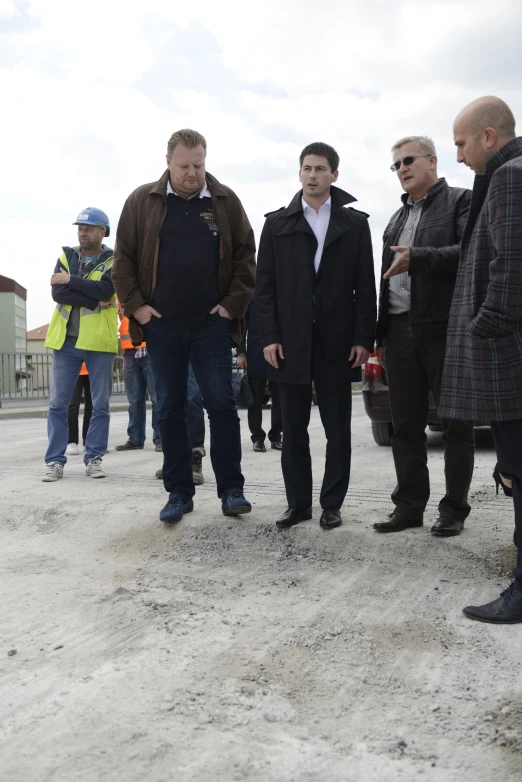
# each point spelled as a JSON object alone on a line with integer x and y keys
{"x": 339, "y": 199}
{"x": 215, "y": 187}
{"x": 481, "y": 183}
{"x": 507, "y": 152}
{"x": 432, "y": 193}
{"x": 336, "y": 226}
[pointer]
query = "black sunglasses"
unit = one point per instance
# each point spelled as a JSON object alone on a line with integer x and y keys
{"x": 407, "y": 161}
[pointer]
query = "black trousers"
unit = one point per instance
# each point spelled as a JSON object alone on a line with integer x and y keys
{"x": 414, "y": 367}
{"x": 508, "y": 445}
{"x": 82, "y": 388}
{"x": 335, "y": 407}
{"x": 255, "y": 413}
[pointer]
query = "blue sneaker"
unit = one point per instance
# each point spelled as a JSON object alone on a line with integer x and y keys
{"x": 234, "y": 503}
{"x": 176, "y": 508}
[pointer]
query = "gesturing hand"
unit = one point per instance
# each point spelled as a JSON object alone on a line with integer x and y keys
{"x": 270, "y": 354}
{"x": 144, "y": 313}
{"x": 360, "y": 354}
{"x": 400, "y": 264}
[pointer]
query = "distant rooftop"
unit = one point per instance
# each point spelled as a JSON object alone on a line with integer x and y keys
{"x": 7, "y": 285}
{"x": 39, "y": 333}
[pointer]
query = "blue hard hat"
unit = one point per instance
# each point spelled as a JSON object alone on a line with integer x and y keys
{"x": 93, "y": 216}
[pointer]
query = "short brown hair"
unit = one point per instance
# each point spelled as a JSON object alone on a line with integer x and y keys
{"x": 321, "y": 149}
{"x": 189, "y": 138}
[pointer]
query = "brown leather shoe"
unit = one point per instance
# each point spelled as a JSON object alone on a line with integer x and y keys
{"x": 129, "y": 446}
{"x": 197, "y": 468}
{"x": 445, "y": 527}
{"x": 396, "y": 523}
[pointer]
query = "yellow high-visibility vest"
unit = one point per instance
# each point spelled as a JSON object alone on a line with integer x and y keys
{"x": 98, "y": 328}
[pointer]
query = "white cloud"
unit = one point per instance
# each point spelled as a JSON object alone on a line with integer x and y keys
{"x": 90, "y": 99}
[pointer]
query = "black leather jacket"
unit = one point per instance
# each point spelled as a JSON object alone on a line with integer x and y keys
{"x": 434, "y": 259}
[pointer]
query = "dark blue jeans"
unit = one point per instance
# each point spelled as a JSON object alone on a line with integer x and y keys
{"x": 209, "y": 350}
{"x": 138, "y": 379}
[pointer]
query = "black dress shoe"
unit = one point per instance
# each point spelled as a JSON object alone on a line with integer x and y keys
{"x": 277, "y": 445}
{"x": 396, "y": 523}
{"x": 293, "y": 516}
{"x": 330, "y": 518}
{"x": 259, "y": 446}
{"x": 506, "y": 610}
{"x": 445, "y": 527}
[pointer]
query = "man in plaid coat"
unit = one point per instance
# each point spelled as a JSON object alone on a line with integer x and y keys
{"x": 483, "y": 369}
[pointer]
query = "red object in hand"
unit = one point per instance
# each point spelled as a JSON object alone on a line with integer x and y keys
{"x": 372, "y": 368}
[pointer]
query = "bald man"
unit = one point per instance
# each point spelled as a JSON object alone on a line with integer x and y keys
{"x": 483, "y": 371}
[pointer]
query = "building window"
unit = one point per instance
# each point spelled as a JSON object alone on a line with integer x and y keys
{"x": 21, "y": 343}
{"x": 19, "y": 302}
{"x": 19, "y": 322}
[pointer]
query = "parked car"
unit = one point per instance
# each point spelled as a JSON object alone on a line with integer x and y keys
{"x": 377, "y": 403}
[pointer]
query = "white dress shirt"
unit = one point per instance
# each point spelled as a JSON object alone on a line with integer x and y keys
{"x": 318, "y": 222}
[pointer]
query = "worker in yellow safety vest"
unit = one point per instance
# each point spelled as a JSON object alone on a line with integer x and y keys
{"x": 83, "y": 328}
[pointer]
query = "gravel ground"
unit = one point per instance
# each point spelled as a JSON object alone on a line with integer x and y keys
{"x": 223, "y": 649}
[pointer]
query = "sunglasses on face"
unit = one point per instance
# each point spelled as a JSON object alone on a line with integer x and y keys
{"x": 407, "y": 161}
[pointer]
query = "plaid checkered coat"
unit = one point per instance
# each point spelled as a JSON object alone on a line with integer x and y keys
{"x": 483, "y": 369}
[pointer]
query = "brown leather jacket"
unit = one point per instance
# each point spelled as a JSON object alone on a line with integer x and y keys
{"x": 136, "y": 252}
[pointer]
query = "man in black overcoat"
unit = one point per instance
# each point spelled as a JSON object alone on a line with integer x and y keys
{"x": 316, "y": 312}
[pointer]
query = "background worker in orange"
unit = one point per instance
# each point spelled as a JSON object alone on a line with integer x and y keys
{"x": 138, "y": 379}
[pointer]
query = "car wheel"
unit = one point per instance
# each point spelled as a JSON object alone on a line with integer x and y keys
{"x": 382, "y": 432}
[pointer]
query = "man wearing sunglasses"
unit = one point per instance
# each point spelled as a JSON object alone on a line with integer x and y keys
{"x": 419, "y": 269}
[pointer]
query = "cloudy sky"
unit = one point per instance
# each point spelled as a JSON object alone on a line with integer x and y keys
{"x": 92, "y": 91}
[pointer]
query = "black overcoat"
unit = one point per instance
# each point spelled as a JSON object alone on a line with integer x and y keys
{"x": 340, "y": 298}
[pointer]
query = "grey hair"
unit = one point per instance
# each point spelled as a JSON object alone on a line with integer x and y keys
{"x": 424, "y": 143}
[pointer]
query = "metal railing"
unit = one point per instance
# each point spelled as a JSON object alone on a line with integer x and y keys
{"x": 28, "y": 376}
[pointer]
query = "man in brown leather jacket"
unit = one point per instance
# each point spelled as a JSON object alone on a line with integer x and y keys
{"x": 184, "y": 272}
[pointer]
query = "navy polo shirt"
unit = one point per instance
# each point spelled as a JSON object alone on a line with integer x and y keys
{"x": 187, "y": 282}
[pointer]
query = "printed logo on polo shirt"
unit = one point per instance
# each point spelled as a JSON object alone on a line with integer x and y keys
{"x": 209, "y": 220}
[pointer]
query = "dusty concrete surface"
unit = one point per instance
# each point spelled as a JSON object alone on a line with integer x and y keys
{"x": 220, "y": 649}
